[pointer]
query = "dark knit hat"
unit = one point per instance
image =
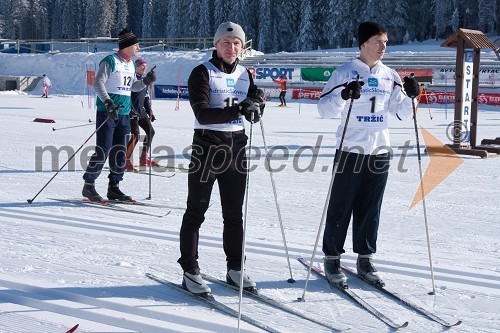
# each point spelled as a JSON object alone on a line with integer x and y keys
{"x": 126, "y": 38}
{"x": 368, "y": 29}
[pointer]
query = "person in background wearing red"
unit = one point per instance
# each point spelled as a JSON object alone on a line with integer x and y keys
{"x": 282, "y": 82}
{"x": 46, "y": 85}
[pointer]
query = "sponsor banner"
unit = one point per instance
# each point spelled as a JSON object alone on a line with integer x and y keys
{"x": 421, "y": 74}
{"x": 306, "y": 93}
{"x": 418, "y": 72}
{"x": 442, "y": 97}
{"x": 316, "y": 74}
{"x": 170, "y": 91}
{"x": 434, "y": 97}
{"x": 447, "y": 76}
{"x": 266, "y": 74}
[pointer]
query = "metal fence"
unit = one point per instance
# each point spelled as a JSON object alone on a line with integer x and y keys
{"x": 106, "y": 44}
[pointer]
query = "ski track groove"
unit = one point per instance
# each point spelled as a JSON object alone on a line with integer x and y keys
{"x": 40, "y": 298}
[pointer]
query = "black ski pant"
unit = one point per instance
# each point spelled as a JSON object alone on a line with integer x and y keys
{"x": 357, "y": 191}
{"x": 135, "y": 124}
{"x": 282, "y": 97}
{"x": 229, "y": 169}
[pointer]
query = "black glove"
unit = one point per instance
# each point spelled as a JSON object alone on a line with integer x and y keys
{"x": 249, "y": 107}
{"x": 153, "y": 118}
{"x": 352, "y": 90}
{"x": 258, "y": 94}
{"x": 411, "y": 86}
{"x": 112, "y": 109}
{"x": 150, "y": 78}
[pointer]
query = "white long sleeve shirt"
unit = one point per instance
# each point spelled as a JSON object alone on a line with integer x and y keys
{"x": 382, "y": 94}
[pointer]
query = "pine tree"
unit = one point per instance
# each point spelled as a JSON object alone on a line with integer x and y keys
{"x": 205, "y": 28}
{"x": 305, "y": 40}
{"x": 487, "y": 20}
{"x": 443, "y": 11}
{"x": 109, "y": 19}
{"x": 342, "y": 29}
{"x": 17, "y": 11}
{"x": 277, "y": 25}
{"x": 287, "y": 19}
{"x": 135, "y": 15}
{"x": 121, "y": 17}
{"x": 160, "y": 12}
{"x": 193, "y": 21}
{"x": 146, "y": 18}
{"x": 265, "y": 25}
{"x": 222, "y": 10}
{"x": 174, "y": 19}
{"x": 56, "y": 11}
{"x": 71, "y": 19}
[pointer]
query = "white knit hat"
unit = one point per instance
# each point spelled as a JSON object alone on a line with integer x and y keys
{"x": 229, "y": 29}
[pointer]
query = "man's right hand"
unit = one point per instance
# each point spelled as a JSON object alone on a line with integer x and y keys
{"x": 352, "y": 90}
{"x": 112, "y": 109}
{"x": 250, "y": 108}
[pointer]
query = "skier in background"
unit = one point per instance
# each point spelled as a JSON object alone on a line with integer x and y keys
{"x": 114, "y": 81}
{"x": 359, "y": 183}
{"x": 46, "y": 85}
{"x": 141, "y": 116}
{"x": 282, "y": 82}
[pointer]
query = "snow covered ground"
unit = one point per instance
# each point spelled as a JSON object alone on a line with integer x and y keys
{"x": 63, "y": 264}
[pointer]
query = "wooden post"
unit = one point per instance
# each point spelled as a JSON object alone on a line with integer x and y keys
{"x": 467, "y": 91}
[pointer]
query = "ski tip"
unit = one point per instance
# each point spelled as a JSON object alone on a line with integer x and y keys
{"x": 340, "y": 285}
{"x": 456, "y": 324}
{"x": 405, "y": 324}
{"x": 252, "y": 290}
{"x": 208, "y": 296}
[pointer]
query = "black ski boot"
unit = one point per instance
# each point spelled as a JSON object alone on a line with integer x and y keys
{"x": 367, "y": 271}
{"x": 90, "y": 193}
{"x": 114, "y": 193}
{"x": 333, "y": 272}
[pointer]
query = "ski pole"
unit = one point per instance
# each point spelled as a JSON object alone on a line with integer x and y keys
{"x": 242, "y": 267}
{"x": 426, "y": 95}
{"x": 149, "y": 139}
{"x": 62, "y": 128}
{"x": 69, "y": 159}
{"x": 327, "y": 201}
{"x": 268, "y": 160}
{"x": 423, "y": 192}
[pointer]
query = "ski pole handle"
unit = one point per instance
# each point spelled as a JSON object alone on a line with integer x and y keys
{"x": 351, "y": 92}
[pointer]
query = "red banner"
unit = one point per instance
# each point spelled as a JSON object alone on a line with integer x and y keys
{"x": 418, "y": 72}
{"x": 306, "y": 93}
{"x": 90, "y": 77}
{"x": 433, "y": 97}
{"x": 441, "y": 97}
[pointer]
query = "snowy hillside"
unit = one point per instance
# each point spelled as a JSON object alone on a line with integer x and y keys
{"x": 63, "y": 263}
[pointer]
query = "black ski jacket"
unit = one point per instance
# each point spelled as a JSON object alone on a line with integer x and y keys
{"x": 199, "y": 98}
